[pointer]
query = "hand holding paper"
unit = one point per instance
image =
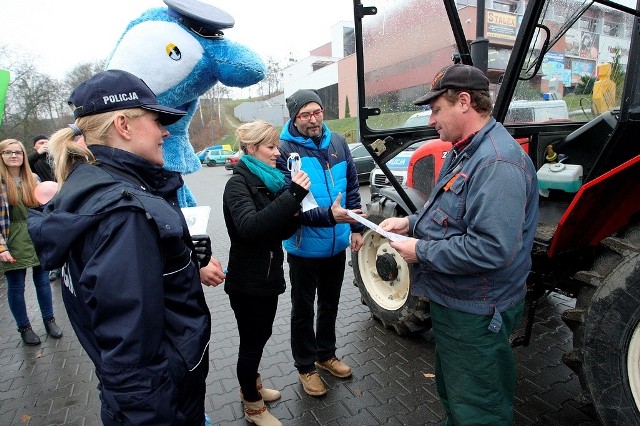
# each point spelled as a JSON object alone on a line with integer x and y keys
{"x": 397, "y": 225}
{"x": 342, "y": 215}
{"x": 390, "y": 235}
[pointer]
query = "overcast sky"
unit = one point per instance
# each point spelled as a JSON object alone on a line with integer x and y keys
{"x": 64, "y": 33}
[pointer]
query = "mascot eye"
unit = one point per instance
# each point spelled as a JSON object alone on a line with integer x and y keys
{"x": 173, "y": 52}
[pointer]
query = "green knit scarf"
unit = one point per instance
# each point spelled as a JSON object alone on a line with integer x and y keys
{"x": 271, "y": 176}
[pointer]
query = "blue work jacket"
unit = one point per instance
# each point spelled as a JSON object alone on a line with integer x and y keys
{"x": 476, "y": 230}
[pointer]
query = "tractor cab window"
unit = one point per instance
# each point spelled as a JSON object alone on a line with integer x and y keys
{"x": 404, "y": 45}
{"x": 584, "y": 64}
{"x": 580, "y": 65}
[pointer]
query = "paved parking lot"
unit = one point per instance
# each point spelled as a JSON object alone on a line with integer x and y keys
{"x": 392, "y": 383}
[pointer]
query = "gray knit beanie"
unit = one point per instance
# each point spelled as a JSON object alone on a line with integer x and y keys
{"x": 299, "y": 99}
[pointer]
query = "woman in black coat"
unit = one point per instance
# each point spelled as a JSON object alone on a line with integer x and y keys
{"x": 259, "y": 214}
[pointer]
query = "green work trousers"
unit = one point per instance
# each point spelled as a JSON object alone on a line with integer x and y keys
{"x": 475, "y": 368}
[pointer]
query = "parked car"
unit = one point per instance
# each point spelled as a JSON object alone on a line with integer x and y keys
{"x": 217, "y": 156}
{"x": 418, "y": 119}
{"x": 202, "y": 154}
{"x": 363, "y": 161}
{"x": 398, "y": 166}
{"x": 230, "y": 162}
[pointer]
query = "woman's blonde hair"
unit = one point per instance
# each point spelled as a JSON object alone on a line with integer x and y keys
{"x": 65, "y": 152}
{"x": 28, "y": 180}
{"x": 256, "y": 133}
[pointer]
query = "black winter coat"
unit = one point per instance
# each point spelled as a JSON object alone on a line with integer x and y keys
{"x": 130, "y": 284}
{"x": 39, "y": 164}
{"x": 257, "y": 222}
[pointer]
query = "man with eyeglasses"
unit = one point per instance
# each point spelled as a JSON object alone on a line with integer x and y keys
{"x": 317, "y": 251}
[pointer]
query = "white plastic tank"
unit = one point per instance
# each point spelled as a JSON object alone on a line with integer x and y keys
{"x": 564, "y": 177}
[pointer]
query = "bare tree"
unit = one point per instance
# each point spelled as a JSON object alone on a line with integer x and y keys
{"x": 35, "y": 102}
{"x": 81, "y": 73}
{"x": 272, "y": 82}
{"x": 210, "y": 126}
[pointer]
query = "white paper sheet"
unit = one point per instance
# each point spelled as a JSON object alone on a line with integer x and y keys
{"x": 374, "y": 227}
{"x": 197, "y": 219}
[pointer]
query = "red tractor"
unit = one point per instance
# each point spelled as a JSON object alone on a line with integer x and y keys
{"x": 588, "y": 240}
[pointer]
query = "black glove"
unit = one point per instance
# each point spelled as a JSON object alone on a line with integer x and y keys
{"x": 202, "y": 245}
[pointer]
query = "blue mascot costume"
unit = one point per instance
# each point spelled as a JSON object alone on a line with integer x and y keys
{"x": 181, "y": 52}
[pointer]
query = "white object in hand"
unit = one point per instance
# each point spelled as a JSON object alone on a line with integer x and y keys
{"x": 390, "y": 235}
{"x": 294, "y": 163}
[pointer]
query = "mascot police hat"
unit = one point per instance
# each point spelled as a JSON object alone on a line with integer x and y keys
{"x": 201, "y": 18}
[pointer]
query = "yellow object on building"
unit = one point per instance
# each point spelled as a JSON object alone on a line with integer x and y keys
{"x": 604, "y": 90}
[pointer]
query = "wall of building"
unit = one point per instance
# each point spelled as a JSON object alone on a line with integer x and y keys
{"x": 347, "y": 86}
{"x": 325, "y": 70}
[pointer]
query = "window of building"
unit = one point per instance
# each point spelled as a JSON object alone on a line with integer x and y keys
{"x": 612, "y": 29}
{"x": 505, "y": 6}
{"x": 587, "y": 24}
{"x": 463, "y": 3}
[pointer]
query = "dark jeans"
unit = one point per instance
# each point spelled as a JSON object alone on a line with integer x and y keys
{"x": 254, "y": 316}
{"x": 15, "y": 293}
{"x": 308, "y": 276}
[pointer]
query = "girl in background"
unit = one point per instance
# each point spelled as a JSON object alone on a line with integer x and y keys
{"x": 17, "y": 252}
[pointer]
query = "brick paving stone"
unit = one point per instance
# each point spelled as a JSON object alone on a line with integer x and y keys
{"x": 362, "y": 418}
{"x": 388, "y": 410}
{"x": 330, "y": 413}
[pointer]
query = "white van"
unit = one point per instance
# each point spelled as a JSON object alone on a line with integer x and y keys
{"x": 418, "y": 119}
{"x": 537, "y": 111}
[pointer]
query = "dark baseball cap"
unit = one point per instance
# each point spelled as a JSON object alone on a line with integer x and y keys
{"x": 113, "y": 90}
{"x": 456, "y": 77}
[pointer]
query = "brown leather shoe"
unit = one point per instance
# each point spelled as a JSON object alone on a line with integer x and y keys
{"x": 335, "y": 367}
{"x": 312, "y": 384}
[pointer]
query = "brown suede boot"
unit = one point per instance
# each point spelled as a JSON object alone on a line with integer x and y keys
{"x": 257, "y": 413}
{"x": 267, "y": 394}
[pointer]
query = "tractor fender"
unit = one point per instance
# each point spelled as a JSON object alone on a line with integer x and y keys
{"x": 418, "y": 198}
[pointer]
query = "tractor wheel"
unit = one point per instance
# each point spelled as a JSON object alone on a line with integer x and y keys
{"x": 606, "y": 331}
{"x": 383, "y": 279}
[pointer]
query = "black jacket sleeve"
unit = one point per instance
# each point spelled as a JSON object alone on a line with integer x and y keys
{"x": 275, "y": 219}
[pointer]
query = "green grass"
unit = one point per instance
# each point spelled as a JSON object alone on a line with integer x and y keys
{"x": 577, "y": 102}
{"x": 347, "y": 127}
